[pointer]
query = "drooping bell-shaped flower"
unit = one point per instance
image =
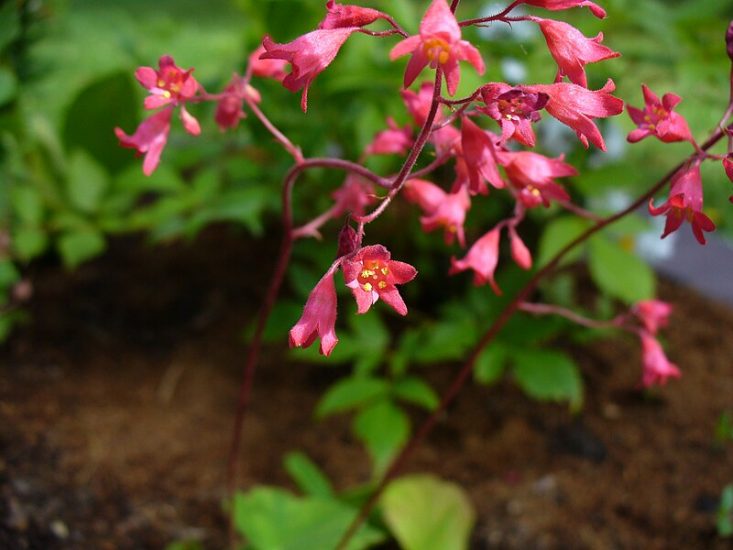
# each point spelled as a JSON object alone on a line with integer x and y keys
{"x": 439, "y": 44}
{"x": 653, "y": 314}
{"x": 657, "y": 369}
{"x": 684, "y": 204}
{"x": 267, "y": 68}
{"x": 479, "y": 155}
{"x": 149, "y": 139}
{"x": 533, "y": 175}
{"x": 347, "y": 15}
{"x": 520, "y": 253}
{"x": 393, "y": 140}
{"x": 229, "y": 108}
{"x": 482, "y": 258}
{"x": 441, "y": 209}
{"x": 319, "y": 317}
{"x": 514, "y": 109}
{"x": 371, "y": 274}
{"x": 658, "y": 119}
{"x": 557, "y": 5}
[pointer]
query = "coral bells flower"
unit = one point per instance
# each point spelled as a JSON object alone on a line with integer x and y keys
{"x": 533, "y": 175}
{"x": 229, "y": 107}
{"x": 572, "y": 50}
{"x": 393, "y": 140}
{"x": 656, "y": 367}
{"x": 441, "y": 209}
{"x": 520, "y": 253}
{"x": 575, "y": 106}
{"x": 483, "y": 258}
{"x": 353, "y": 196}
{"x": 439, "y": 44}
{"x": 149, "y": 138}
{"x": 319, "y": 318}
{"x": 684, "y": 203}
{"x": 308, "y": 55}
{"x": 344, "y": 15}
{"x": 267, "y": 68}
{"x": 653, "y": 314}
{"x": 658, "y": 119}
{"x": 556, "y": 5}
{"x": 480, "y": 158}
{"x": 371, "y": 275}
{"x": 169, "y": 84}
{"x": 514, "y": 109}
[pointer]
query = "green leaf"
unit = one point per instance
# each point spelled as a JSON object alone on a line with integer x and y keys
{"x": 27, "y": 204}
{"x": 548, "y": 375}
{"x": 86, "y": 182}
{"x": 307, "y": 476}
{"x": 8, "y": 85}
{"x": 29, "y": 242}
{"x": 350, "y": 393}
{"x": 80, "y": 245}
{"x": 9, "y": 274}
{"x": 619, "y": 273}
{"x": 9, "y": 24}
{"x": 273, "y": 519}
{"x": 725, "y": 512}
{"x": 417, "y": 391}
{"x": 490, "y": 363}
{"x": 427, "y": 513}
{"x": 559, "y": 233}
{"x": 383, "y": 428}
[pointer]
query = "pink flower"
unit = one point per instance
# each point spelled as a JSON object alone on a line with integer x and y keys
{"x": 169, "y": 84}
{"x": 319, "y": 318}
{"x": 576, "y": 106}
{"x": 520, "y": 253}
{"x": 229, "y": 107}
{"x": 344, "y": 15}
{"x": 653, "y": 314}
{"x": 371, "y": 275}
{"x": 267, "y": 68}
{"x": 441, "y": 209}
{"x": 353, "y": 196}
{"x": 534, "y": 176}
{"x": 394, "y": 140}
{"x": 656, "y": 367}
{"x": 483, "y": 258}
{"x": 149, "y": 138}
{"x": 556, "y": 5}
{"x": 728, "y": 167}
{"x": 658, "y": 119}
{"x": 684, "y": 203}
{"x": 480, "y": 157}
{"x": 514, "y": 109}
{"x": 308, "y": 55}
{"x": 572, "y": 50}
{"x": 439, "y": 44}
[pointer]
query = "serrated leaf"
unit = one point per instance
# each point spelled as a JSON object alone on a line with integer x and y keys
{"x": 415, "y": 390}
{"x": 350, "y": 393}
{"x": 557, "y": 234}
{"x": 273, "y": 519}
{"x": 78, "y": 246}
{"x": 86, "y": 182}
{"x": 548, "y": 375}
{"x": 307, "y": 476}
{"x": 490, "y": 363}
{"x": 383, "y": 428}
{"x": 427, "y": 513}
{"x": 619, "y": 273}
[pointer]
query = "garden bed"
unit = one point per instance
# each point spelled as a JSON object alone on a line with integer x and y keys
{"x": 117, "y": 401}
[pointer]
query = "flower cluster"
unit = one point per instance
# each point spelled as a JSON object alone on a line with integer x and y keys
{"x": 657, "y": 369}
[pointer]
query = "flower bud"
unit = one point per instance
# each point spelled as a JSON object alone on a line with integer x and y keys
{"x": 348, "y": 241}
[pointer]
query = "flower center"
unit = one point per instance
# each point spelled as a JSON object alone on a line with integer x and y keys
{"x": 436, "y": 50}
{"x": 373, "y": 275}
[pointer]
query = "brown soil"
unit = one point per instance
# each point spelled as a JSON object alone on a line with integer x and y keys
{"x": 116, "y": 407}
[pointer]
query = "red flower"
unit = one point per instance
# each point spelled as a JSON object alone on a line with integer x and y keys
{"x": 319, "y": 318}
{"x": 149, "y": 138}
{"x": 658, "y": 119}
{"x": 514, "y": 109}
{"x": 520, "y": 253}
{"x": 480, "y": 157}
{"x": 483, "y": 258}
{"x": 556, "y": 5}
{"x": 534, "y": 176}
{"x": 340, "y": 15}
{"x": 229, "y": 107}
{"x": 653, "y": 314}
{"x": 267, "y": 68}
{"x": 439, "y": 44}
{"x": 572, "y": 50}
{"x": 169, "y": 84}
{"x": 441, "y": 209}
{"x": 684, "y": 203}
{"x": 394, "y": 140}
{"x": 308, "y": 55}
{"x": 371, "y": 275}
{"x": 353, "y": 196}
{"x": 576, "y": 106}
{"x": 656, "y": 367}
{"x": 728, "y": 167}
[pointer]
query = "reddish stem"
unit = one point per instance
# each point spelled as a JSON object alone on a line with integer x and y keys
{"x": 501, "y": 16}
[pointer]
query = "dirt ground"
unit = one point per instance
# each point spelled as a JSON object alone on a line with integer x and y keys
{"x": 116, "y": 408}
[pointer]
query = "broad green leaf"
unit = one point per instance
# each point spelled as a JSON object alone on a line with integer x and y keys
{"x": 8, "y": 85}
{"x": 27, "y": 204}
{"x": 9, "y": 274}
{"x": 618, "y": 272}
{"x": 427, "y": 513}
{"x": 78, "y": 246}
{"x": 557, "y": 235}
{"x": 350, "y": 393}
{"x": 415, "y": 390}
{"x": 548, "y": 375}
{"x": 383, "y": 428}
{"x": 29, "y": 242}
{"x": 307, "y": 476}
{"x": 86, "y": 182}
{"x": 490, "y": 363}
{"x": 273, "y": 519}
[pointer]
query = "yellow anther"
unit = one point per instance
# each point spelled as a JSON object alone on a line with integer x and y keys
{"x": 367, "y": 273}
{"x": 381, "y": 285}
{"x": 385, "y": 270}
{"x": 367, "y": 287}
